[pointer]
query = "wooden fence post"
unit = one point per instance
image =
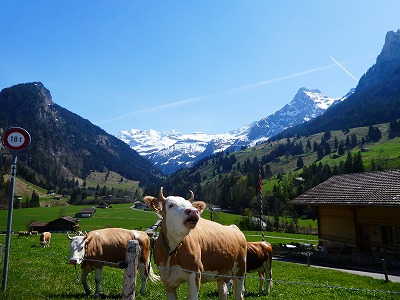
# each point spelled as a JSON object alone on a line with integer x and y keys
{"x": 132, "y": 253}
{"x": 385, "y": 269}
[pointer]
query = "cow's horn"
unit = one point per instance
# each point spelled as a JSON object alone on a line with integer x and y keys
{"x": 191, "y": 199}
{"x": 70, "y": 238}
{"x": 161, "y": 195}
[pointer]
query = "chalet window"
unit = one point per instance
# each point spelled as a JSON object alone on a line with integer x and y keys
{"x": 390, "y": 235}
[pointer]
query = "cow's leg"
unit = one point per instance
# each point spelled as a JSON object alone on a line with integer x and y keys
{"x": 229, "y": 286}
{"x": 85, "y": 273}
{"x": 171, "y": 294}
{"x": 194, "y": 285}
{"x": 143, "y": 277}
{"x": 238, "y": 285}
{"x": 97, "y": 280}
{"x": 269, "y": 280}
{"x": 261, "y": 280}
{"x": 223, "y": 289}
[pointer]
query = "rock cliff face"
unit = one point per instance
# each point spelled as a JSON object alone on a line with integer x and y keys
{"x": 387, "y": 62}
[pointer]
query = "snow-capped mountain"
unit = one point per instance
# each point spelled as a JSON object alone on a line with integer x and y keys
{"x": 173, "y": 150}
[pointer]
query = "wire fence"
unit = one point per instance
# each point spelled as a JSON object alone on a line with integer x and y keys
{"x": 25, "y": 293}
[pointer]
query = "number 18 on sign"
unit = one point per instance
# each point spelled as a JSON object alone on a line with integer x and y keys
{"x": 16, "y": 139}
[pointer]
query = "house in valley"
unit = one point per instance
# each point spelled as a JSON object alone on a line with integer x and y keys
{"x": 63, "y": 224}
{"x": 86, "y": 213}
{"x": 359, "y": 211}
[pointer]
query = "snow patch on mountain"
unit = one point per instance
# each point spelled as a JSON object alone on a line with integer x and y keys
{"x": 172, "y": 150}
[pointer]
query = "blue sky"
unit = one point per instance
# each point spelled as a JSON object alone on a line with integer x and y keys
{"x": 209, "y": 66}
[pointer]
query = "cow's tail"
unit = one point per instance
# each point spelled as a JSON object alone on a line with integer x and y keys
{"x": 151, "y": 275}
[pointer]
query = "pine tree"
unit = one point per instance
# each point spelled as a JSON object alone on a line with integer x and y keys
{"x": 300, "y": 162}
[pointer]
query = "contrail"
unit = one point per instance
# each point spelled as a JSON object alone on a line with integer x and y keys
{"x": 198, "y": 98}
{"x": 343, "y": 68}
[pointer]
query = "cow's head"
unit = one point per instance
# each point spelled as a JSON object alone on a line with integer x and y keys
{"x": 77, "y": 249}
{"x": 179, "y": 215}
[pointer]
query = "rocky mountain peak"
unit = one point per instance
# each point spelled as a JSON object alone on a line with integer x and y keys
{"x": 386, "y": 63}
{"x": 172, "y": 150}
{"x": 391, "y": 48}
{"x": 44, "y": 93}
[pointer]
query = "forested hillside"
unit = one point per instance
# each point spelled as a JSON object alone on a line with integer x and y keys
{"x": 65, "y": 147}
{"x": 289, "y": 167}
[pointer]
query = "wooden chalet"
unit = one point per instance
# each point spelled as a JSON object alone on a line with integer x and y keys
{"x": 358, "y": 211}
{"x": 63, "y": 224}
{"x": 85, "y": 213}
{"x": 38, "y": 226}
{"x": 102, "y": 205}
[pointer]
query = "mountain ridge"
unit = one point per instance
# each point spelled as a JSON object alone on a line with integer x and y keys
{"x": 173, "y": 150}
{"x": 64, "y": 145}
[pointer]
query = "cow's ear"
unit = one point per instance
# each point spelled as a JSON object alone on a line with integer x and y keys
{"x": 200, "y": 205}
{"x": 153, "y": 202}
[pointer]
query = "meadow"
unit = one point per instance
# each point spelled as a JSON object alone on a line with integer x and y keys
{"x": 44, "y": 273}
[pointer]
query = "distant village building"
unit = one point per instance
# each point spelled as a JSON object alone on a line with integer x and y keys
{"x": 63, "y": 224}
{"x": 85, "y": 213}
{"x": 102, "y": 205}
{"x": 140, "y": 205}
{"x": 359, "y": 210}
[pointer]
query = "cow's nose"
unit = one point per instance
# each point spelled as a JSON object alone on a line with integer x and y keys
{"x": 190, "y": 211}
{"x": 73, "y": 261}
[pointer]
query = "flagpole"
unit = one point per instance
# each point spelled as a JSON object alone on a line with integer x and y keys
{"x": 261, "y": 202}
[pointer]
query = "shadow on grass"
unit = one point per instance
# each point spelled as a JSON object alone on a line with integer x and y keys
{"x": 83, "y": 296}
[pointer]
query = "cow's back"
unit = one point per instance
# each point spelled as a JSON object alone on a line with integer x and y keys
{"x": 107, "y": 245}
{"x": 257, "y": 254}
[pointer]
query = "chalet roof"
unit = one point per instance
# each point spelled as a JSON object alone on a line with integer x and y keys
{"x": 381, "y": 188}
{"x": 88, "y": 210}
{"x": 39, "y": 224}
{"x": 66, "y": 218}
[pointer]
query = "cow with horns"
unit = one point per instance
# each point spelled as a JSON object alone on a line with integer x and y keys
{"x": 195, "y": 250}
{"x": 107, "y": 247}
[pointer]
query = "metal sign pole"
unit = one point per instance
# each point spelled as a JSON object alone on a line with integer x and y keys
{"x": 9, "y": 222}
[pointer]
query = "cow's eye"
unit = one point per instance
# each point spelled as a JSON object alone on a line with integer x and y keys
{"x": 170, "y": 205}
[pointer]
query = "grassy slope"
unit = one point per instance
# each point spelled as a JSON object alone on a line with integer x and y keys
{"x": 385, "y": 152}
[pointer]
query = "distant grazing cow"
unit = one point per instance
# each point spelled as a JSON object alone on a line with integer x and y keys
{"x": 194, "y": 250}
{"x": 45, "y": 238}
{"x": 107, "y": 247}
{"x": 24, "y": 233}
{"x": 259, "y": 259}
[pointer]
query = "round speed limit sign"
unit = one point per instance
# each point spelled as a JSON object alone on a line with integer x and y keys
{"x": 16, "y": 139}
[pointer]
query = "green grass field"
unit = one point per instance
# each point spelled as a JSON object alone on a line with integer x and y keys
{"x": 44, "y": 273}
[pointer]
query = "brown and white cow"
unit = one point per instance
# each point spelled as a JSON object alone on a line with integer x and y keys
{"x": 259, "y": 259}
{"x": 107, "y": 247}
{"x": 45, "y": 238}
{"x": 194, "y": 250}
{"x": 24, "y": 233}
